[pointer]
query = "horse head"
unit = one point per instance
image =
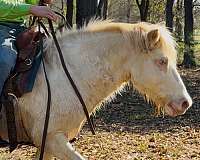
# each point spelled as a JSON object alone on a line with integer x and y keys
{"x": 154, "y": 72}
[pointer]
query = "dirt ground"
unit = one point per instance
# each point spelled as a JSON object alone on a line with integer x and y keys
{"x": 128, "y": 130}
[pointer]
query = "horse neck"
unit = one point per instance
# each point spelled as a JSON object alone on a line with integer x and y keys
{"x": 97, "y": 63}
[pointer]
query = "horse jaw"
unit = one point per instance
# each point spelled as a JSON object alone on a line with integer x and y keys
{"x": 172, "y": 101}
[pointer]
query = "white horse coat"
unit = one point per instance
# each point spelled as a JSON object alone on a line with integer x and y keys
{"x": 100, "y": 58}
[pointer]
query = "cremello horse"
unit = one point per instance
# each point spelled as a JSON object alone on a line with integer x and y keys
{"x": 101, "y": 58}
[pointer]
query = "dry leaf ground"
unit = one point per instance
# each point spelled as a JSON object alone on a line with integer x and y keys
{"x": 127, "y": 130}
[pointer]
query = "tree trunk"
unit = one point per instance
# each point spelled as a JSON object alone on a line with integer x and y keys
{"x": 169, "y": 14}
{"x": 86, "y": 9}
{"x": 178, "y": 24}
{"x": 143, "y": 8}
{"x": 99, "y": 8}
{"x": 189, "y": 59}
{"x": 128, "y": 11}
{"x": 105, "y": 9}
{"x": 102, "y": 9}
{"x": 69, "y": 14}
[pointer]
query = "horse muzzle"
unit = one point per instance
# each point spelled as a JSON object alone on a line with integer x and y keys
{"x": 178, "y": 107}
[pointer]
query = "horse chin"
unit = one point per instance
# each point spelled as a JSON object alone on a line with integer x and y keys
{"x": 163, "y": 106}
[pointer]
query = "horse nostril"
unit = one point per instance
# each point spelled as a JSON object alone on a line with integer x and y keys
{"x": 185, "y": 104}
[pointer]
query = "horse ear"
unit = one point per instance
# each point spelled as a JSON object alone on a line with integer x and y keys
{"x": 153, "y": 38}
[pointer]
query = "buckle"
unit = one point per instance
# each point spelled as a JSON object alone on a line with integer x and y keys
{"x": 28, "y": 61}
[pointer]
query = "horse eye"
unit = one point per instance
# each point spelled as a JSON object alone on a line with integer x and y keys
{"x": 163, "y": 61}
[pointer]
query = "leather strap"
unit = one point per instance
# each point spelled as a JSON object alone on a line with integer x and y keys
{"x": 47, "y": 116}
{"x": 70, "y": 78}
{"x": 8, "y": 102}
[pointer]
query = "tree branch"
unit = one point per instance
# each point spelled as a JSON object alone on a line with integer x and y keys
{"x": 139, "y": 5}
{"x": 146, "y": 7}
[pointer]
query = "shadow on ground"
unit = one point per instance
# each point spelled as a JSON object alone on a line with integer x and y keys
{"x": 130, "y": 113}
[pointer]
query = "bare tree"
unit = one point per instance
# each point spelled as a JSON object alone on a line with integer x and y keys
{"x": 85, "y": 10}
{"x": 105, "y": 8}
{"x": 169, "y": 14}
{"x": 69, "y": 14}
{"x": 189, "y": 59}
{"x": 128, "y": 11}
{"x": 178, "y": 20}
{"x": 143, "y": 8}
{"x": 102, "y": 9}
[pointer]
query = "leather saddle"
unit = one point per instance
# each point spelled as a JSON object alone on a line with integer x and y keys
{"x": 28, "y": 61}
{"x": 22, "y": 78}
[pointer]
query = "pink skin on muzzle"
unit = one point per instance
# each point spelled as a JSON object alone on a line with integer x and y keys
{"x": 175, "y": 108}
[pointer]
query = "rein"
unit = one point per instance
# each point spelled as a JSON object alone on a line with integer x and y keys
{"x": 78, "y": 94}
{"x": 47, "y": 116}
